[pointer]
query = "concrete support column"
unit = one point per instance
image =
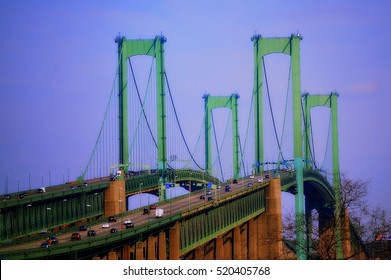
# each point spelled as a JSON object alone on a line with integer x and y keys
{"x": 326, "y": 247}
{"x": 139, "y": 250}
{"x": 151, "y": 255}
{"x": 112, "y": 255}
{"x": 198, "y": 253}
{"x": 252, "y": 240}
{"x": 262, "y": 247}
{"x": 270, "y": 224}
{"x": 162, "y": 246}
{"x": 346, "y": 236}
{"x": 219, "y": 248}
{"x": 274, "y": 216}
{"x": 237, "y": 244}
{"x": 115, "y": 199}
{"x": 174, "y": 242}
{"x": 126, "y": 252}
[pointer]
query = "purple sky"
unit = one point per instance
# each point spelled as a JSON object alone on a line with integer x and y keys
{"x": 57, "y": 65}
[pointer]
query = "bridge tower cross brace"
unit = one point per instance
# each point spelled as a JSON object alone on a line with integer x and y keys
{"x": 213, "y": 102}
{"x": 289, "y": 46}
{"x": 128, "y": 48}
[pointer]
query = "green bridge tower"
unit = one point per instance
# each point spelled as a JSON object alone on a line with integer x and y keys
{"x": 330, "y": 101}
{"x": 230, "y": 102}
{"x": 153, "y": 48}
{"x": 289, "y": 46}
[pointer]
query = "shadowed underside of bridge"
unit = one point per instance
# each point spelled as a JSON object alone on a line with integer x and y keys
{"x": 246, "y": 224}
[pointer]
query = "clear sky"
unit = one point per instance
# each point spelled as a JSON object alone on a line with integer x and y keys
{"x": 58, "y": 59}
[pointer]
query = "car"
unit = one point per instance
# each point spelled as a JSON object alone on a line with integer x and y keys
{"x": 112, "y": 177}
{"x": 45, "y": 244}
{"x": 23, "y": 194}
{"x": 235, "y": 181}
{"x": 267, "y": 176}
{"x": 112, "y": 219}
{"x": 127, "y": 221}
{"x": 6, "y": 197}
{"x": 113, "y": 230}
{"x": 218, "y": 187}
{"x": 41, "y": 190}
{"x": 260, "y": 180}
{"x": 52, "y": 240}
{"x": 72, "y": 187}
{"x": 146, "y": 211}
{"x": 202, "y": 197}
{"x": 129, "y": 225}
{"x": 83, "y": 228}
{"x": 208, "y": 192}
{"x": 210, "y": 198}
{"x": 91, "y": 232}
{"x": 249, "y": 184}
{"x": 85, "y": 184}
{"x": 251, "y": 176}
{"x": 228, "y": 188}
{"x": 105, "y": 225}
{"x": 76, "y": 236}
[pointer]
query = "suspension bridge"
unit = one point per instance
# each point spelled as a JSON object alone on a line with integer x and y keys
{"x": 220, "y": 195}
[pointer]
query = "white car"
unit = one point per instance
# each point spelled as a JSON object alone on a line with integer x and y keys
{"x": 260, "y": 180}
{"x": 105, "y": 225}
{"x": 127, "y": 221}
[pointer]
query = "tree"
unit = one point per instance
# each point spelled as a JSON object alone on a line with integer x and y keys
{"x": 359, "y": 224}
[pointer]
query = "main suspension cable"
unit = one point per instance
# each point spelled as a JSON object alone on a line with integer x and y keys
{"x": 179, "y": 125}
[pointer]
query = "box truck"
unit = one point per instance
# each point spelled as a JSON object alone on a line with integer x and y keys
{"x": 159, "y": 212}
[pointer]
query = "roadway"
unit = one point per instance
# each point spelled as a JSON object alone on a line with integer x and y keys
{"x": 184, "y": 203}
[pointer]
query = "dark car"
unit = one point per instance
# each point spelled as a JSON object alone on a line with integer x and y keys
{"x": 112, "y": 219}
{"x": 208, "y": 192}
{"x": 112, "y": 178}
{"x": 83, "y": 228}
{"x": 210, "y": 198}
{"x": 267, "y": 176}
{"x": 235, "y": 181}
{"x": 228, "y": 188}
{"x": 6, "y": 197}
{"x": 202, "y": 197}
{"x": 91, "y": 232}
{"x": 40, "y": 190}
{"x": 249, "y": 184}
{"x": 146, "y": 211}
{"x": 76, "y": 236}
{"x": 129, "y": 225}
{"x": 52, "y": 239}
{"x": 23, "y": 194}
{"x": 113, "y": 230}
{"x": 45, "y": 244}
